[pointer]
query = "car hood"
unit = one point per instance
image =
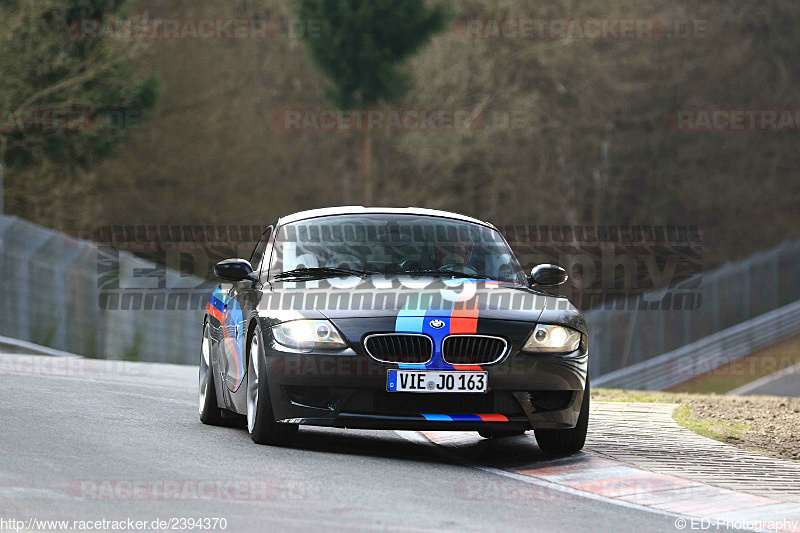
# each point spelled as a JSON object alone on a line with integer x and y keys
{"x": 363, "y": 298}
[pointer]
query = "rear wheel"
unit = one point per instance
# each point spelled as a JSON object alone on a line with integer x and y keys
{"x": 210, "y": 413}
{"x": 260, "y": 417}
{"x": 566, "y": 441}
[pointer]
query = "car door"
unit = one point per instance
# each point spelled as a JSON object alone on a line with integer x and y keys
{"x": 241, "y": 298}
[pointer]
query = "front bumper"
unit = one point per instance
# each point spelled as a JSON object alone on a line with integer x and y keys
{"x": 349, "y": 391}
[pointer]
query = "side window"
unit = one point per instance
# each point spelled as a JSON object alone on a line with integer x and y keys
{"x": 258, "y": 252}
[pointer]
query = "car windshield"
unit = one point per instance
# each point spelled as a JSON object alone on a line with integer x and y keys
{"x": 394, "y": 244}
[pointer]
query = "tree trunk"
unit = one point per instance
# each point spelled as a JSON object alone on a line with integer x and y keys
{"x": 366, "y": 169}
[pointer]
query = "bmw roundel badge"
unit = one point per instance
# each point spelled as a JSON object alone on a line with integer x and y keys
{"x": 437, "y": 324}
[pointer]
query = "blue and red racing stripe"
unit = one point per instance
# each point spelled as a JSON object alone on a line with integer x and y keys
{"x": 466, "y": 418}
{"x": 227, "y": 311}
{"x": 459, "y": 318}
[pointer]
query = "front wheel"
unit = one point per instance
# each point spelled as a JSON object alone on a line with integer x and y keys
{"x": 566, "y": 441}
{"x": 210, "y": 413}
{"x": 260, "y": 417}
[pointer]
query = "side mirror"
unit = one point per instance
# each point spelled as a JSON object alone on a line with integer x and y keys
{"x": 233, "y": 269}
{"x": 548, "y": 275}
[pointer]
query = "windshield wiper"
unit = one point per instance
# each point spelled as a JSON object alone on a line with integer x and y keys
{"x": 443, "y": 273}
{"x": 322, "y": 273}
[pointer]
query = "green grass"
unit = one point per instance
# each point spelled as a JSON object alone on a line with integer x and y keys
{"x": 707, "y": 427}
{"x": 619, "y": 395}
{"x": 134, "y": 351}
{"x": 721, "y": 430}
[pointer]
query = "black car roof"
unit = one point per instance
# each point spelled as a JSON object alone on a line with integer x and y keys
{"x": 361, "y": 210}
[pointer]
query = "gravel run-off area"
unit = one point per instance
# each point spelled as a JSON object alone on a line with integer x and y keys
{"x": 768, "y": 425}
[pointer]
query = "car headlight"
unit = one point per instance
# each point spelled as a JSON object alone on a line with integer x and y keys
{"x": 308, "y": 334}
{"x": 552, "y": 339}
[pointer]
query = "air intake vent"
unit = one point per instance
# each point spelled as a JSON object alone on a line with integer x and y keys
{"x": 473, "y": 349}
{"x": 406, "y": 403}
{"x": 399, "y": 348}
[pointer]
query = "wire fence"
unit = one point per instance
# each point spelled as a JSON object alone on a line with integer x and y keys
{"x": 50, "y": 294}
{"x": 729, "y": 296}
{"x": 707, "y": 354}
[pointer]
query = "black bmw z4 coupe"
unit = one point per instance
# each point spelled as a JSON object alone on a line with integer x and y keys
{"x": 385, "y": 318}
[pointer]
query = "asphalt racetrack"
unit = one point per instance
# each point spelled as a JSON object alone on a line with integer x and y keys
{"x": 102, "y": 440}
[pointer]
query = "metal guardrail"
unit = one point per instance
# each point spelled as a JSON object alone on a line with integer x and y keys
{"x": 729, "y": 296}
{"x": 11, "y": 345}
{"x": 707, "y": 354}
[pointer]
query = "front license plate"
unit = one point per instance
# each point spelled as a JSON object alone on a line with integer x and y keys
{"x": 425, "y": 381}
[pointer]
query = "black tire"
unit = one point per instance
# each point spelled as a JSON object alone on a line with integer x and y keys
{"x": 260, "y": 417}
{"x": 210, "y": 413}
{"x": 499, "y": 433}
{"x": 566, "y": 441}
